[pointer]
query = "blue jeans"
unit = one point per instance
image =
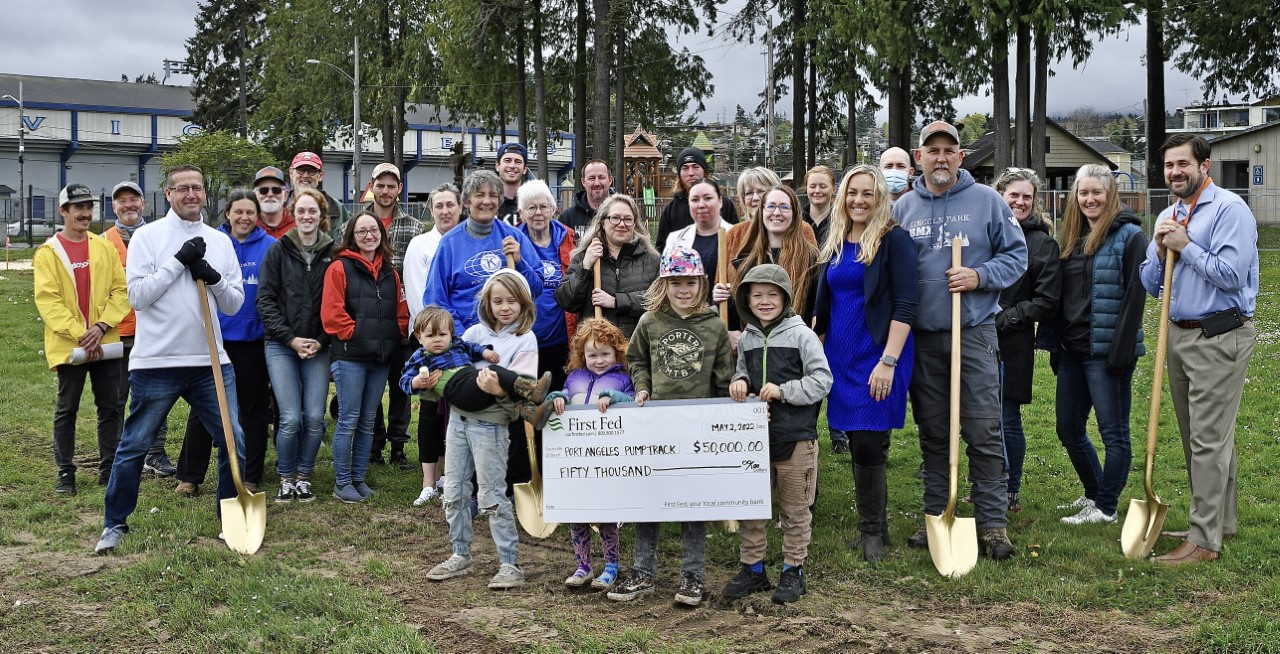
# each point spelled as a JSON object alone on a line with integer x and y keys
{"x": 302, "y": 388}
{"x": 1085, "y": 383}
{"x": 154, "y": 392}
{"x": 359, "y": 385}
{"x": 479, "y": 447}
{"x": 1015, "y": 442}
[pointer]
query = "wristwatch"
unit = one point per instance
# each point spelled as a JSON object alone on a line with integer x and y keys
{"x": 890, "y": 361}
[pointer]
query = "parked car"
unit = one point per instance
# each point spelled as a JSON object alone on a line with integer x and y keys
{"x": 41, "y": 229}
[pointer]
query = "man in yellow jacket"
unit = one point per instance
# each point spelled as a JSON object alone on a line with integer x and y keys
{"x": 81, "y": 296}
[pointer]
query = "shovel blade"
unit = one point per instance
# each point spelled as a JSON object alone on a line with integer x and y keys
{"x": 244, "y": 521}
{"x": 953, "y": 544}
{"x": 1142, "y": 526}
{"x": 528, "y": 499}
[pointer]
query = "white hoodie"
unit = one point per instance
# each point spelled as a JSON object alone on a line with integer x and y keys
{"x": 170, "y": 320}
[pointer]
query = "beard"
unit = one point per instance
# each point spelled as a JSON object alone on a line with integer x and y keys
{"x": 941, "y": 177}
{"x": 271, "y": 205}
{"x": 1193, "y": 182}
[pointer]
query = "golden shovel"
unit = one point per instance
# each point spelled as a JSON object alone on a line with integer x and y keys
{"x": 953, "y": 542}
{"x": 1145, "y": 517}
{"x": 528, "y": 496}
{"x": 244, "y": 517}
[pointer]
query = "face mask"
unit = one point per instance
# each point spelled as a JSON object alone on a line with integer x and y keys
{"x": 896, "y": 179}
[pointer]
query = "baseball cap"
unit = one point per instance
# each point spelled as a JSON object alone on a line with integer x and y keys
{"x": 125, "y": 185}
{"x": 75, "y": 194}
{"x": 384, "y": 168}
{"x": 939, "y": 127}
{"x": 513, "y": 147}
{"x": 307, "y": 159}
{"x": 681, "y": 262}
{"x": 270, "y": 172}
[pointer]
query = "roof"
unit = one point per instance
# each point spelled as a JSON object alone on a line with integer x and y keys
{"x": 1244, "y": 132}
{"x": 703, "y": 143}
{"x": 1104, "y": 146}
{"x": 982, "y": 151}
{"x": 641, "y": 145}
{"x": 69, "y": 93}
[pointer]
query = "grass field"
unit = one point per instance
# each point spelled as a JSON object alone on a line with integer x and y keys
{"x": 338, "y": 578}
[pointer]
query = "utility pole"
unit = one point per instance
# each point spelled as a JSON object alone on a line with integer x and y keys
{"x": 355, "y": 127}
{"x": 22, "y": 150}
{"x": 769, "y": 119}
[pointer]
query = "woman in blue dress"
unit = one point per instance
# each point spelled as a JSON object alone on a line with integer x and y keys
{"x": 867, "y": 295}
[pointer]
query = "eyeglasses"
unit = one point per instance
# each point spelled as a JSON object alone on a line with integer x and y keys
{"x": 269, "y": 190}
{"x": 307, "y": 170}
{"x": 777, "y": 207}
{"x": 539, "y": 208}
{"x": 621, "y": 220}
{"x": 758, "y": 191}
{"x": 367, "y": 231}
{"x": 187, "y": 189}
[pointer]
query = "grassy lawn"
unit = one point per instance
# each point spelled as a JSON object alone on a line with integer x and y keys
{"x": 339, "y": 578}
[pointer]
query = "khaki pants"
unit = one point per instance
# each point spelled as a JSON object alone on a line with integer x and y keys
{"x": 796, "y": 481}
{"x": 1206, "y": 379}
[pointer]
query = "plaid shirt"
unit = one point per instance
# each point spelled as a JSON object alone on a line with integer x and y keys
{"x": 402, "y": 230}
{"x": 460, "y": 353}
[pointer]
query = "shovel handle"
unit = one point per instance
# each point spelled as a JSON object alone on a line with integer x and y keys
{"x": 223, "y": 409}
{"x": 953, "y": 448}
{"x": 511, "y": 262}
{"x": 595, "y": 271}
{"x": 722, "y": 272}
{"x": 533, "y": 453}
{"x": 1157, "y": 376}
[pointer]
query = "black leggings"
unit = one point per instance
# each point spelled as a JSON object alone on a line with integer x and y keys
{"x": 462, "y": 392}
{"x": 870, "y": 448}
{"x": 433, "y": 419}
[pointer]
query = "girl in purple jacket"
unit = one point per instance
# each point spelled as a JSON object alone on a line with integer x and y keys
{"x": 597, "y": 375}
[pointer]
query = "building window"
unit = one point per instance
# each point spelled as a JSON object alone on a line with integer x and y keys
{"x": 1271, "y": 114}
{"x": 1208, "y": 121}
{"x": 1047, "y": 142}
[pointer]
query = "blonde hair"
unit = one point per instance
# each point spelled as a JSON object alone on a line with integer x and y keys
{"x": 601, "y": 332}
{"x": 1074, "y": 222}
{"x": 655, "y": 299}
{"x": 596, "y": 229}
{"x": 758, "y": 176}
{"x": 433, "y": 318}
{"x": 841, "y": 223}
{"x": 797, "y": 256}
{"x": 515, "y": 285}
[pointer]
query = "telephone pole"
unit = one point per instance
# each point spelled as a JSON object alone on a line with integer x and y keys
{"x": 769, "y": 119}
{"x": 22, "y": 152}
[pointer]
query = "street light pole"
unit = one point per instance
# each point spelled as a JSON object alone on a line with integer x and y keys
{"x": 22, "y": 150}
{"x": 355, "y": 111}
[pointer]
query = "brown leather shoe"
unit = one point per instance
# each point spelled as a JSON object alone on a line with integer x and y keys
{"x": 1187, "y": 552}
{"x": 187, "y": 489}
{"x": 1183, "y": 535}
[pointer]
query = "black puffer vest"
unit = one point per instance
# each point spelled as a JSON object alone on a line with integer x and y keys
{"x": 372, "y": 304}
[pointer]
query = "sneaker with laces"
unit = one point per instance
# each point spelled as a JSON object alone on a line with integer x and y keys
{"x": 840, "y": 447}
{"x": 995, "y": 543}
{"x": 110, "y": 539}
{"x": 159, "y": 465}
{"x": 1080, "y": 503}
{"x": 1089, "y": 515}
{"x": 453, "y": 566}
{"x": 509, "y": 576}
{"x": 920, "y": 539}
{"x": 429, "y": 493}
{"x": 580, "y": 577}
{"x": 302, "y": 491}
{"x": 401, "y": 461}
{"x": 691, "y": 591}
{"x": 606, "y": 578}
{"x": 347, "y": 494}
{"x": 440, "y": 483}
{"x": 637, "y": 584}
{"x": 746, "y": 582}
{"x": 286, "y": 493}
{"x": 66, "y": 483}
{"x": 790, "y": 586}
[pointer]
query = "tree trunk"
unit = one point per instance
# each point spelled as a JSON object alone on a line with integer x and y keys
{"x": 502, "y": 118}
{"x": 1000, "y": 98}
{"x": 600, "y": 115}
{"x": 1041, "y": 102}
{"x": 851, "y": 143}
{"x": 540, "y": 93}
{"x": 580, "y": 93}
{"x": 1022, "y": 93}
{"x": 812, "y": 155}
{"x": 797, "y": 91}
{"x": 1155, "y": 94}
{"x": 522, "y": 83}
{"x": 620, "y": 127}
{"x": 901, "y": 114}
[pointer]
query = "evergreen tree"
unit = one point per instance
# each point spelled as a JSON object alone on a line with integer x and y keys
{"x": 227, "y": 34}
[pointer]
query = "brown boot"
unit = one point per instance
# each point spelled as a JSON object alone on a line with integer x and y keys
{"x": 533, "y": 390}
{"x": 534, "y": 414}
{"x": 187, "y": 489}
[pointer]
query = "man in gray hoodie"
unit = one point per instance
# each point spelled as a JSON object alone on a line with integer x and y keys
{"x": 946, "y": 203}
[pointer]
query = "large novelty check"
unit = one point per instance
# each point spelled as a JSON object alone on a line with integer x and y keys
{"x": 672, "y": 461}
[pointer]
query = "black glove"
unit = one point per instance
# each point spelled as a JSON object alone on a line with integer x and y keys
{"x": 191, "y": 252}
{"x": 202, "y": 270}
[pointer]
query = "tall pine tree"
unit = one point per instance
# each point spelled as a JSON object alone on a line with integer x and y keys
{"x": 226, "y": 37}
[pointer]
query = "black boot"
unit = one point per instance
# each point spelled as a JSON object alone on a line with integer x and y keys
{"x": 871, "y": 487}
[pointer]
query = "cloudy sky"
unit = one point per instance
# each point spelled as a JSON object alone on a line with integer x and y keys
{"x": 98, "y": 40}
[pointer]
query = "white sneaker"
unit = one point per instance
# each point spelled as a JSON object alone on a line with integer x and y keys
{"x": 440, "y": 483}
{"x": 427, "y": 495}
{"x": 453, "y": 566}
{"x": 1080, "y": 503}
{"x": 1089, "y": 515}
{"x": 509, "y": 576}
